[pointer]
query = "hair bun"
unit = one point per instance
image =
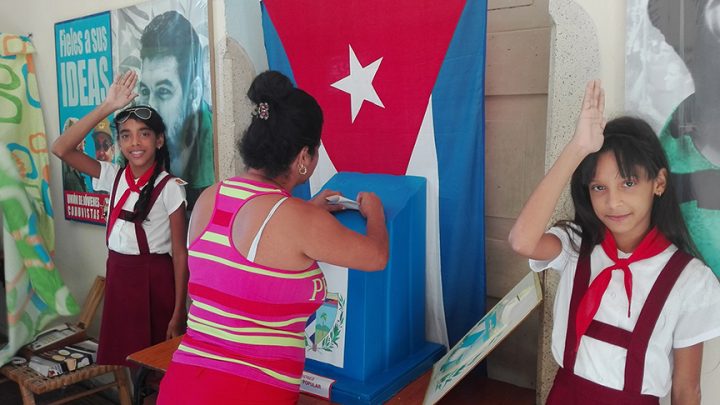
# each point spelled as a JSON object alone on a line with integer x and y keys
{"x": 270, "y": 86}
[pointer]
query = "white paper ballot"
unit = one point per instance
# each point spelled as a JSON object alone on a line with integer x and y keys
{"x": 344, "y": 201}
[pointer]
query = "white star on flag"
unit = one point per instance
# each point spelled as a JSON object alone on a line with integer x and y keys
{"x": 359, "y": 84}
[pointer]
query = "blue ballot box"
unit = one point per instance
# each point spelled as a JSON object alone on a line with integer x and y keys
{"x": 383, "y": 313}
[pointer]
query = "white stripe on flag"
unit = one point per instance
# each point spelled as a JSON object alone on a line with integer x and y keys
{"x": 424, "y": 163}
{"x": 323, "y": 172}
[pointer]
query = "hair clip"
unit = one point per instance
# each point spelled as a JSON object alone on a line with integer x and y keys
{"x": 262, "y": 111}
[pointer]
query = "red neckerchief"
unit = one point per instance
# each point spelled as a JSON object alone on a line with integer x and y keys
{"x": 133, "y": 187}
{"x": 652, "y": 244}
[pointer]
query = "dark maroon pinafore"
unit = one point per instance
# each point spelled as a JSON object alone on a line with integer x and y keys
{"x": 139, "y": 294}
{"x": 569, "y": 388}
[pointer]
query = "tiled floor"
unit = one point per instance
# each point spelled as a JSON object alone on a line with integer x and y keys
{"x": 10, "y": 395}
{"x": 471, "y": 390}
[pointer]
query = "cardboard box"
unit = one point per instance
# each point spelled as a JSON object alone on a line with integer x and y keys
{"x": 68, "y": 357}
{"x": 45, "y": 367}
{"x": 88, "y": 347}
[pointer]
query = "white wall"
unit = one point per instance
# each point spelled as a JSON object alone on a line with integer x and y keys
{"x": 244, "y": 25}
{"x": 607, "y": 17}
{"x": 80, "y": 250}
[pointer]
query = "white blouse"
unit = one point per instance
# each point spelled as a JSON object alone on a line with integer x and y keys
{"x": 156, "y": 225}
{"x": 691, "y": 314}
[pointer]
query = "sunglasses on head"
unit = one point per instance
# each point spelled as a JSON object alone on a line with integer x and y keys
{"x": 143, "y": 113}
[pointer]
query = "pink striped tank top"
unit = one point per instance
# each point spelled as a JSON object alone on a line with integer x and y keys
{"x": 246, "y": 319}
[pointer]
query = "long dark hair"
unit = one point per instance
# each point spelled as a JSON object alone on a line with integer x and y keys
{"x": 635, "y": 146}
{"x": 162, "y": 156}
{"x": 286, "y": 120}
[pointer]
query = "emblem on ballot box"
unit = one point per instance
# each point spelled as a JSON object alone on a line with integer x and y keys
{"x": 326, "y": 328}
{"x": 322, "y": 332}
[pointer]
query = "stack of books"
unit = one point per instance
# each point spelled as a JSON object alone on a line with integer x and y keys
{"x": 60, "y": 350}
{"x": 69, "y": 358}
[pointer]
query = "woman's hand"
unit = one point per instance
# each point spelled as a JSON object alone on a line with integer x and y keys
{"x": 591, "y": 123}
{"x": 370, "y": 204}
{"x": 320, "y": 200}
{"x": 325, "y": 239}
{"x": 121, "y": 92}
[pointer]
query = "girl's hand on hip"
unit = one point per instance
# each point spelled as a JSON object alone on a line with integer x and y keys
{"x": 176, "y": 327}
{"x": 121, "y": 92}
{"x": 591, "y": 123}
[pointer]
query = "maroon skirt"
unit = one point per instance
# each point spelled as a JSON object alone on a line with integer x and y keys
{"x": 569, "y": 389}
{"x": 139, "y": 303}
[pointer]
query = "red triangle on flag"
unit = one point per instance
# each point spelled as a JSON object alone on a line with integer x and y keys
{"x": 403, "y": 42}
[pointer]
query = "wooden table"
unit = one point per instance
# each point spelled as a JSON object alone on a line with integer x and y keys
{"x": 154, "y": 358}
{"x": 157, "y": 358}
{"x": 472, "y": 390}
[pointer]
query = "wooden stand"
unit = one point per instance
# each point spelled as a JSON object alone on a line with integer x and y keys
{"x": 32, "y": 383}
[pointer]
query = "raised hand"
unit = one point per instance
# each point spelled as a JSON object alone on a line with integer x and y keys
{"x": 591, "y": 123}
{"x": 121, "y": 92}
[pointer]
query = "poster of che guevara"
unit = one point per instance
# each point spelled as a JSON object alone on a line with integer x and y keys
{"x": 167, "y": 43}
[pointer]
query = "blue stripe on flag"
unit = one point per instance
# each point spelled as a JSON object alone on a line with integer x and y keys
{"x": 458, "y": 115}
{"x": 278, "y": 60}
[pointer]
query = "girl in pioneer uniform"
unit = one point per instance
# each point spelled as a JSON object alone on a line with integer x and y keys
{"x": 634, "y": 303}
{"x": 146, "y": 278}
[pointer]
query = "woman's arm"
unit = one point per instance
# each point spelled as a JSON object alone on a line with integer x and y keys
{"x": 329, "y": 241}
{"x": 686, "y": 375}
{"x": 527, "y": 236}
{"x": 65, "y": 147}
{"x": 178, "y": 236}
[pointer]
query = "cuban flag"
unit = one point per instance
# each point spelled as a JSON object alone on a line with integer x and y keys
{"x": 401, "y": 84}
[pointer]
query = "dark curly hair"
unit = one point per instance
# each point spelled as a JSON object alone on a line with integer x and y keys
{"x": 294, "y": 121}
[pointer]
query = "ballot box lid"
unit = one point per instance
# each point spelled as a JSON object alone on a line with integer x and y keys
{"x": 395, "y": 192}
